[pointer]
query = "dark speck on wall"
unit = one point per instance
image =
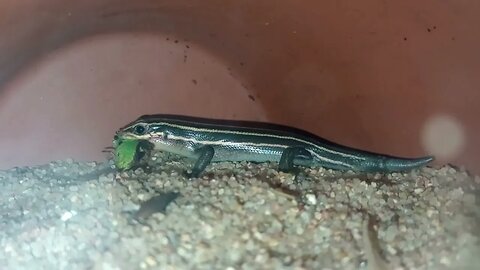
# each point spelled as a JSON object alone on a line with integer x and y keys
{"x": 194, "y": 81}
{"x": 405, "y": 38}
{"x": 251, "y": 97}
{"x": 242, "y": 64}
{"x": 187, "y": 46}
{"x": 176, "y": 41}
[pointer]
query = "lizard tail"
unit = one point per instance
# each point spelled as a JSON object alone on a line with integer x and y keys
{"x": 392, "y": 164}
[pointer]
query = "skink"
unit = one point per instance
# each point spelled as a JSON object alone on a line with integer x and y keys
{"x": 214, "y": 140}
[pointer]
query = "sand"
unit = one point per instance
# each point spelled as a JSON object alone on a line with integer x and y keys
{"x": 82, "y": 215}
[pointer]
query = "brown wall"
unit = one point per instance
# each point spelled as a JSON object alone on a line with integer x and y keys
{"x": 395, "y": 77}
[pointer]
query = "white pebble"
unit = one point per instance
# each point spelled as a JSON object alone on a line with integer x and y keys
{"x": 445, "y": 261}
{"x": 151, "y": 261}
{"x": 311, "y": 199}
{"x": 477, "y": 179}
{"x": 67, "y": 215}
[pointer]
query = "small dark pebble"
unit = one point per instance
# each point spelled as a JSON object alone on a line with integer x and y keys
{"x": 156, "y": 204}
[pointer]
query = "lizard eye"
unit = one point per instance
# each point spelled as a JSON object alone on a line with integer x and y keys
{"x": 139, "y": 130}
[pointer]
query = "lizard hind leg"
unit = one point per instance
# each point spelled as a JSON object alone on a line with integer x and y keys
{"x": 292, "y": 156}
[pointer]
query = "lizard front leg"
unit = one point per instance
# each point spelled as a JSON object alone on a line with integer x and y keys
{"x": 205, "y": 156}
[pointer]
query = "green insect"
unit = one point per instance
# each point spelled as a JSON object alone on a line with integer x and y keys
{"x": 129, "y": 153}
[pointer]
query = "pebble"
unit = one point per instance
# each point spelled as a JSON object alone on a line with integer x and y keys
{"x": 150, "y": 261}
{"x": 418, "y": 190}
{"x": 311, "y": 199}
{"x": 66, "y": 216}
